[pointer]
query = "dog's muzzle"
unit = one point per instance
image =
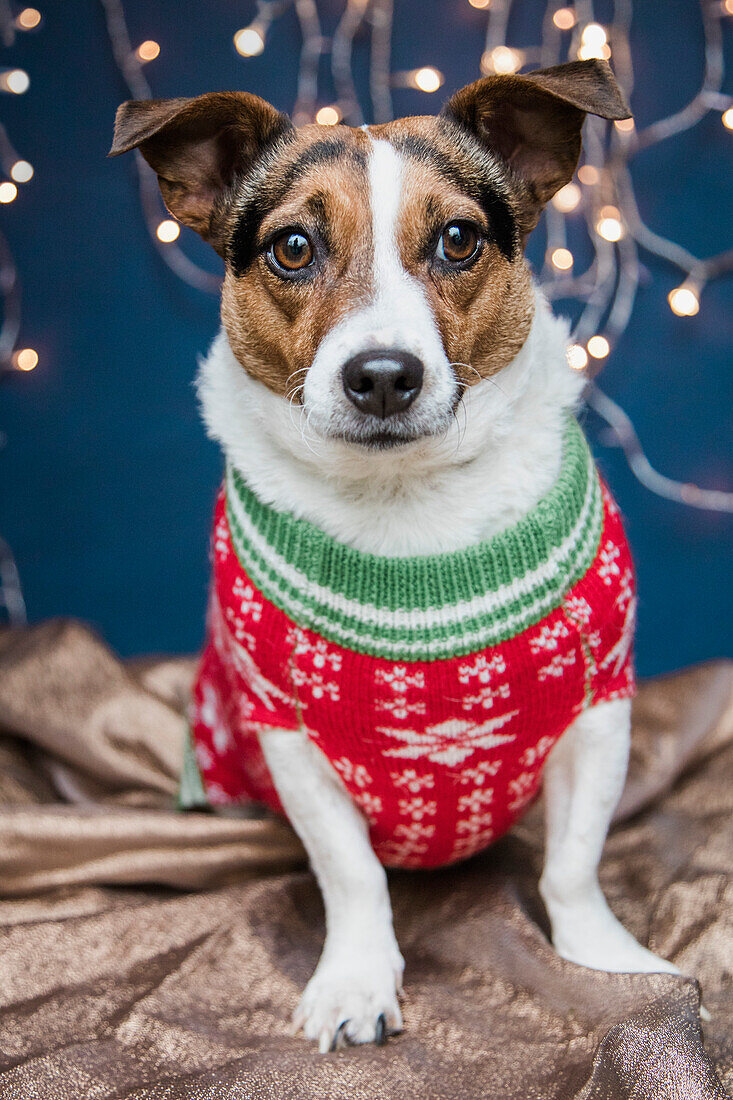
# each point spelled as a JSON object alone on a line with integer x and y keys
{"x": 382, "y": 381}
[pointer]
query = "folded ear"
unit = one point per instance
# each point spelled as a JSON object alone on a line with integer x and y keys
{"x": 198, "y": 147}
{"x": 533, "y": 122}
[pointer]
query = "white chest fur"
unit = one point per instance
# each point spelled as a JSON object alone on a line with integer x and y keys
{"x": 500, "y": 456}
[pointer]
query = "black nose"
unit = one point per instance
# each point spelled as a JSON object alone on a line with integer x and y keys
{"x": 382, "y": 381}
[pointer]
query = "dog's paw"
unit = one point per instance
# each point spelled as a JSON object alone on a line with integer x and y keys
{"x": 352, "y": 997}
{"x": 617, "y": 956}
{"x": 592, "y": 936}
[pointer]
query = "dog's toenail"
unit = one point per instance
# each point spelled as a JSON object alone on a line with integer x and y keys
{"x": 340, "y": 1038}
{"x": 380, "y": 1035}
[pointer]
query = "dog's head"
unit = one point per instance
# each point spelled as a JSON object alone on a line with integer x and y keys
{"x": 373, "y": 274}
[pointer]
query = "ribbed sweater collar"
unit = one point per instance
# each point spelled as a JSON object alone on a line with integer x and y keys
{"x": 436, "y": 605}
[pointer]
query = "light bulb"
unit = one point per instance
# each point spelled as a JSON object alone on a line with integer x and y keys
{"x": 594, "y": 43}
{"x": 625, "y": 125}
{"x": 8, "y": 191}
{"x": 577, "y": 357}
{"x": 586, "y": 53}
{"x": 564, "y": 19}
{"x": 328, "y": 116}
{"x": 25, "y": 359}
{"x": 16, "y": 81}
{"x": 567, "y": 198}
{"x": 148, "y": 50}
{"x": 588, "y": 174}
{"x": 683, "y": 301}
{"x": 599, "y": 347}
{"x": 427, "y": 79}
{"x": 727, "y": 118}
{"x": 249, "y": 41}
{"x": 480, "y": 3}
{"x": 593, "y": 34}
{"x": 28, "y": 19}
{"x": 168, "y": 231}
{"x": 21, "y": 171}
{"x": 562, "y": 259}
{"x": 502, "y": 59}
{"x": 609, "y": 224}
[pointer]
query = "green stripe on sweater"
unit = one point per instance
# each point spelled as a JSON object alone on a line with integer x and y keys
{"x": 433, "y": 606}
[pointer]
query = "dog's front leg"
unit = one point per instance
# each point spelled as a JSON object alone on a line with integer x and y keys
{"x": 352, "y": 995}
{"x": 583, "y": 780}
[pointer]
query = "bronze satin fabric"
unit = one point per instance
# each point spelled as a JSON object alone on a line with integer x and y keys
{"x": 150, "y": 954}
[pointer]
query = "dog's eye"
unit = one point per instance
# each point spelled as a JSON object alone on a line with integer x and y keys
{"x": 291, "y": 251}
{"x": 459, "y": 242}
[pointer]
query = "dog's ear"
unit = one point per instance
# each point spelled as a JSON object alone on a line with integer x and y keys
{"x": 533, "y": 122}
{"x": 198, "y": 147}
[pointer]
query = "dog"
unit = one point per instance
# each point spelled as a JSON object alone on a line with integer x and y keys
{"x": 422, "y": 600}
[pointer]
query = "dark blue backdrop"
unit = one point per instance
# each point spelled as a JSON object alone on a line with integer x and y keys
{"x": 107, "y": 478}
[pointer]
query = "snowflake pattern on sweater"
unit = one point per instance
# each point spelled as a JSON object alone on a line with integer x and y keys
{"x": 441, "y": 753}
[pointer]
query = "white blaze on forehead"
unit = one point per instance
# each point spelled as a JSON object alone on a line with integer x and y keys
{"x": 385, "y": 193}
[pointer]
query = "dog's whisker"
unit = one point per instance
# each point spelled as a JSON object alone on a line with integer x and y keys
{"x": 465, "y": 419}
{"x": 304, "y": 430}
{"x": 291, "y": 410}
{"x": 481, "y": 377}
{"x": 460, "y": 431}
{"x": 294, "y": 375}
{"x": 299, "y": 427}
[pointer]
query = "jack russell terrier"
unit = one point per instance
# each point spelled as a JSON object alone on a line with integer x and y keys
{"x": 422, "y": 602}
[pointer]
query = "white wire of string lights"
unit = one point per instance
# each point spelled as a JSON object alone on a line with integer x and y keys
{"x": 603, "y": 191}
{"x": 14, "y": 172}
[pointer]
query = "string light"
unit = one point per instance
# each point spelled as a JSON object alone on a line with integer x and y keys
{"x": 683, "y": 301}
{"x": 599, "y": 347}
{"x": 21, "y": 171}
{"x": 28, "y": 19}
{"x": 16, "y": 81}
{"x": 588, "y": 175}
{"x": 25, "y": 359}
{"x": 587, "y": 53}
{"x": 609, "y": 225}
{"x": 577, "y": 357}
{"x": 594, "y": 43}
{"x": 567, "y": 198}
{"x": 148, "y": 50}
{"x": 562, "y": 259}
{"x": 727, "y": 116}
{"x": 250, "y": 41}
{"x": 593, "y": 34}
{"x": 564, "y": 19}
{"x": 168, "y": 231}
{"x": 328, "y": 116}
{"x": 428, "y": 79}
{"x": 483, "y": 4}
{"x": 502, "y": 59}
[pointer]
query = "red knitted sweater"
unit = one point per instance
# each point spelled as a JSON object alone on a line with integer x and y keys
{"x": 435, "y": 686}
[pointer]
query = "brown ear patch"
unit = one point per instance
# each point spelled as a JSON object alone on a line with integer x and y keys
{"x": 533, "y": 122}
{"x": 198, "y": 147}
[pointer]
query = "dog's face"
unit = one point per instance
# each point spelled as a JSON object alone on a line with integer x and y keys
{"x": 373, "y": 274}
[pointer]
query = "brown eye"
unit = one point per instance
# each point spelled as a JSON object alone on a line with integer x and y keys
{"x": 291, "y": 251}
{"x": 459, "y": 242}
